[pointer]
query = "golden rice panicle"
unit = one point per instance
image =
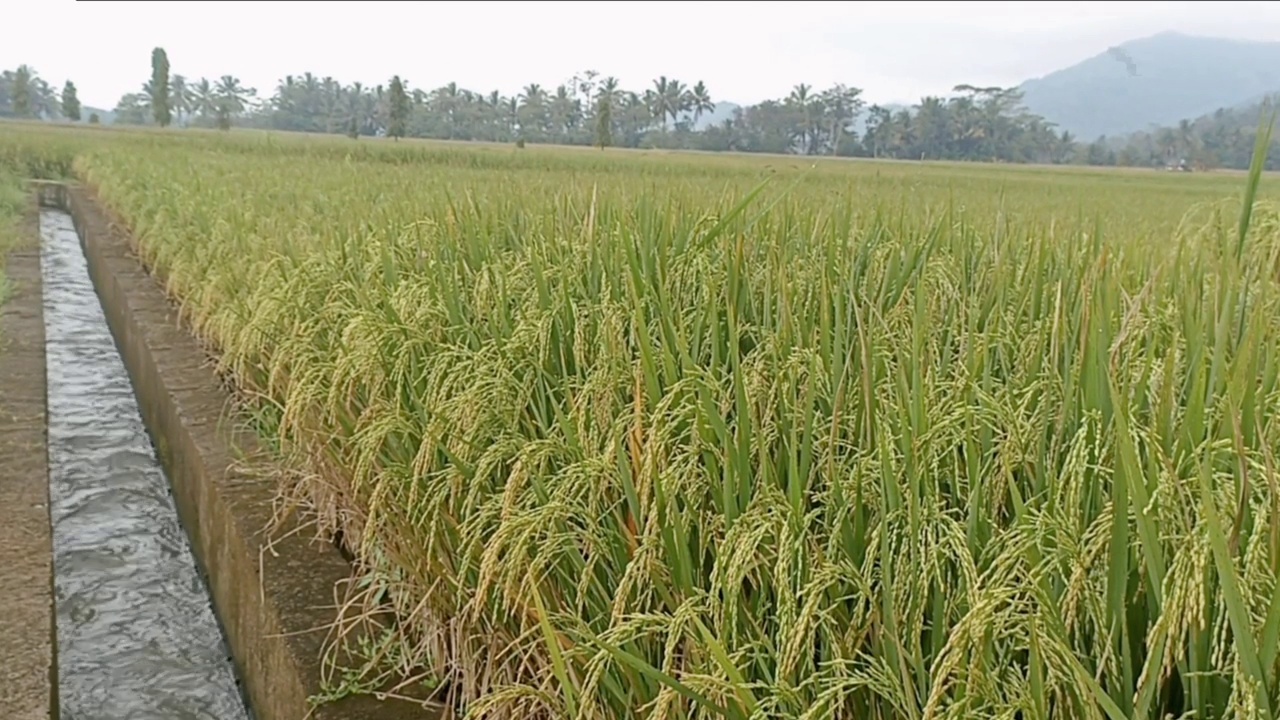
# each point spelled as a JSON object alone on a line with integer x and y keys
{"x": 637, "y": 437}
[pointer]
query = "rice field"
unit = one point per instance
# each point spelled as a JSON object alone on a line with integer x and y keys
{"x": 12, "y": 201}
{"x": 629, "y": 435}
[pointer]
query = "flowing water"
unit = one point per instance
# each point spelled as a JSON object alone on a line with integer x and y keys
{"x": 137, "y": 638}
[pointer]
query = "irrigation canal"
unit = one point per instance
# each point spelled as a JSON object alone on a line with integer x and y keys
{"x": 136, "y": 636}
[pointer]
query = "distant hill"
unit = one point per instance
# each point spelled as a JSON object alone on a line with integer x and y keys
{"x": 860, "y": 124}
{"x": 1158, "y": 80}
{"x": 1223, "y": 138}
{"x": 723, "y": 111}
{"x": 104, "y": 116}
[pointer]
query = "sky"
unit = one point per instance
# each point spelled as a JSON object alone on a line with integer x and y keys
{"x": 744, "y": 51}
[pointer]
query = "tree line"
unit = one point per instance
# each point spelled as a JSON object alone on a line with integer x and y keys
{"x": 1224, "y": 138}
{"x": 24, "y": 94}
{"x": 975, "y": 124}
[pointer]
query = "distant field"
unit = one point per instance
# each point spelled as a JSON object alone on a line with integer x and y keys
{"x": 12, "y": 202}
{"x": 659, "y": 435}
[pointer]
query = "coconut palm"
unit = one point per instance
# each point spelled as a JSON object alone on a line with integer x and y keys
{"x": 670, "y": 98}
{"x": 231, "y": 99}
{"x": 700, "y": 100}
{"x": 609, "y": 88}
{"x": 535, "y": 119}
{"x": 205, "y": 101}
{"x": 448, "y": 101}
{"x": 565, "y": 110}
{"x": 181, "y": 97}
{"x": 23, "y": 91}
{"x": 803, "y": 100}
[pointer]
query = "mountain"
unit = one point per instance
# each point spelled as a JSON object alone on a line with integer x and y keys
{"x": 723, "y": 111}
{"x": 1158, "y": 80}
{"x": 104, "y": 116}
{"x": 860, "y": 123}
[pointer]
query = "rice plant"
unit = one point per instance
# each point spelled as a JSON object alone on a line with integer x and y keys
{"x": 683, "y": 437}
{"x": 12, "y": 202}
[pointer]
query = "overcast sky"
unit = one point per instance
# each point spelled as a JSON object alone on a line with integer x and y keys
{"x": 744, "y": 51}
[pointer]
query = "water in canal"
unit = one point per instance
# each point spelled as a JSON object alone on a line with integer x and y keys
{"x": 137, "y": 638}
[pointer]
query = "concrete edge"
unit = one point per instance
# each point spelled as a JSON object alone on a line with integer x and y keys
{"x": 275, "y": 598}
{"x": 28, "y": 626}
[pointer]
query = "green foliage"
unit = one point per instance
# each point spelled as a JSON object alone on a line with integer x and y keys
{"x": 21, "y": 91}
{"x": 24, "y": 94}
{"x": 978, "y": 123}
{"x": 399, "y": 109}
{"x": 94, "y": 119}
{"x": 160, "y": 108}
{"x": 640, "y": 435}
{"x": 1224, "y": 138}
{"x": 12, "y": 202}
{"x": 982, "y": 126}
{"x": 604, "y": 121}
{"x": 49, "y": 158}
{"x": 229, "y": 99}
{"x": 70, "y": 103}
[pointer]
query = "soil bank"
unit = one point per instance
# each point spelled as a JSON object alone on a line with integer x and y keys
{"x": 28, "y": 688}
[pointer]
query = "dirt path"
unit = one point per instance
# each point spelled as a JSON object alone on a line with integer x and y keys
{"x": 27, "y": 690}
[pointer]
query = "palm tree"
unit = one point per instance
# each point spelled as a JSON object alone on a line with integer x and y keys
{"x": 533, "y": 94}
{"x": 449, "y": 103}
{"x": 181, "y": 97}
{"x": 332, "y": 102}
{"x": 801, "y": 98}
{"x": 28, "y": 95}
{"x": 609, "y": 88}
{"x": 310, "y": 85}
{"x": 311, "y": 98}
{"x": 147, "y": 97}
{"x": 665, "y": 99}
{"x": 512, "y": 112}
{"x": 44, "y": 100}
{"x": 902, "y": 133}
{"x": 285, "y": 91}
{"x": 932, "y": 128}
{"x": 32, "y": 96}
{"x": 490, "y": 113}
{"x": 232, "y": 98}
{"x": 534, "y": 119}
{"x": 206, "y": 98}
{"x": 21, "y": 92}
{"x": 700, "y": 101}
{"x": 654, "y": 105}
{"x": 875, "y": 136}
{"x": 565, "y": 110}
{"x": 354, "y": 97}
{"x": 678, "y": 100}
